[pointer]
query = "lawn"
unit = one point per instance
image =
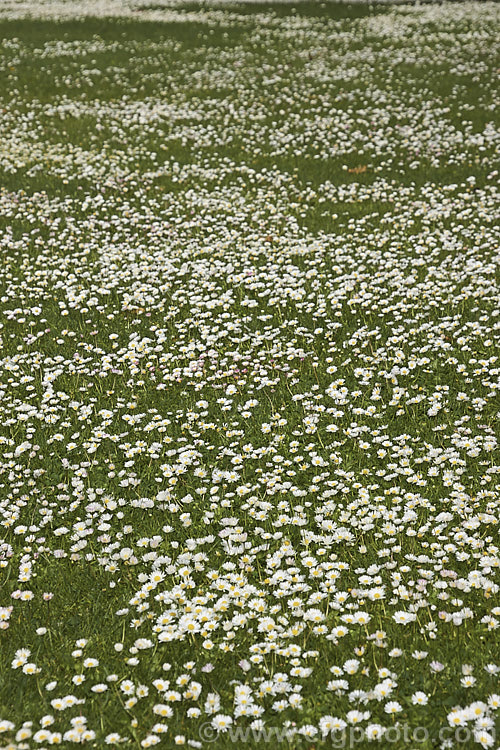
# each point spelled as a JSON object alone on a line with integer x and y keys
{"x": 249, "y": 375}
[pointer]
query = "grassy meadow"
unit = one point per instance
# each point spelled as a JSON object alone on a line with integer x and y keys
{"x": 249, "y": 375}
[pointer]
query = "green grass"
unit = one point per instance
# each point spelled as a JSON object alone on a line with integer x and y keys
{"x": 278, "y": 198}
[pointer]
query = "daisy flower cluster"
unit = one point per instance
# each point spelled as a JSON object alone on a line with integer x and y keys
{"x": 249, "y": 373}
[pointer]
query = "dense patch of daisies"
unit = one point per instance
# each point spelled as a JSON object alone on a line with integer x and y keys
{"x": 249, "y": 375}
